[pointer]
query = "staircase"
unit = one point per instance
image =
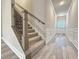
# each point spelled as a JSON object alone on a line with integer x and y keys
{"x": 29, "y": 39}
{"x": 35, "y": 41}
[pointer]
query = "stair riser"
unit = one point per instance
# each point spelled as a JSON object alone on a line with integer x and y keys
{"x": 37, "y": 49}
{"x": 32, "y": 35}
{"x": 30, "y": 31}
{"x": 28, "y": 24}
{"x": 29, "y": 27}
{"x": 34, "y": 41}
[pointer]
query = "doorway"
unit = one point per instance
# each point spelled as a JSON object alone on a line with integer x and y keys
{"x": 61, "y": 22}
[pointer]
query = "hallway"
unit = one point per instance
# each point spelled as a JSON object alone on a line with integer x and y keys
{"x": 60, "y": 48}
{"x": 39, "y": 29}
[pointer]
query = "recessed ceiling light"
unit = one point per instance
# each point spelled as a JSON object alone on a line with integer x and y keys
{"x": 61, "y": 3}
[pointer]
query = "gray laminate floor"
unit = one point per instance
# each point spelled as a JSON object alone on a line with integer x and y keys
{"x": 59, "y": 48}
{"x": 6, "y": 52}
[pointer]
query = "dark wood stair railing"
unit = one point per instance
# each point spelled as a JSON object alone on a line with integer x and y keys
{"x": 31, "y": 14}
{"x": 21, "y": 28}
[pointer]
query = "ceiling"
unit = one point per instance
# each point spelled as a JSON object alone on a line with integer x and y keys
{"x": 61, "y": 6}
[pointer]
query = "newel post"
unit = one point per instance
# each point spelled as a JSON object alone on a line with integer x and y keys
{"x": 25, "y": 41}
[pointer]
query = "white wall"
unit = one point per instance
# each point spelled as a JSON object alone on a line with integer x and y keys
{"x": 39, "y": 9}
{"x": 27, "y": 4}
{"x": 50, "y": 21}
{"x": 73, "y": 22}
{"x": 73, "y": 15}
{"x": 7, "y": 33}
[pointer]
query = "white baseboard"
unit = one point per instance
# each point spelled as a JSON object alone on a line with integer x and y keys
{"x": 75, "y": 43}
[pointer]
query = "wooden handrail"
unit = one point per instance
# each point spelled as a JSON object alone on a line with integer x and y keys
{"x": 17, "y": 11}
{"x": 30, "y": 13}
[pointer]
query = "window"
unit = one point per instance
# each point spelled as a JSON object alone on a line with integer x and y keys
{"x": 61, "y": 22}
